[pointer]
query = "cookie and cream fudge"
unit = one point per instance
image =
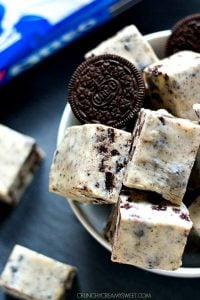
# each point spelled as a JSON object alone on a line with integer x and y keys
{"x": 162, "y": 155}
{"x": 174, "y": 83}
{"x": 150, "y": 234}
{"x": 130, "y": 44}
{"x": 88, "y": 165}
{"x": 33, "y": 276}
{"x": 19, "y": 158}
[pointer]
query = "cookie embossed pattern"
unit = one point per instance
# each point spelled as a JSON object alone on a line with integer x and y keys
{"x": 93, "y": 217}
{"x": 106, "y": 81}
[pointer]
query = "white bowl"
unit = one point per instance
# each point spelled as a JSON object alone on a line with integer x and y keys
{"x": 94, "y": 217}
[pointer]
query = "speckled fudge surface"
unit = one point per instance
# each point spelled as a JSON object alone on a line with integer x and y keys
{"x": 163, "y": 154}
{"x": 150, "y": 234}
{"x": 130, "y": 44}
{"x": 174, "y": 83}
{"x": 30, "y": 275}
{"x": 19, "y": 159}
{"x": 88, "y": 165}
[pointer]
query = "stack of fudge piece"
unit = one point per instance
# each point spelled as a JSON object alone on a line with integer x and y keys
{"x": 162, "y": 155}
{"x": 94, "y": 161}
{"x": 173, "y": 84}
{"x": 90, "y": 162}
{"x": 149, "y": 224}
{"x": 144, "y": 174}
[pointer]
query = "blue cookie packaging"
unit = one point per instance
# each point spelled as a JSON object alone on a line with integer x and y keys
{"x": 32, "y": 30}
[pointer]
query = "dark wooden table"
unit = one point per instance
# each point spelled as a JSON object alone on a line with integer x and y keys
{"x": 33, "y": 104}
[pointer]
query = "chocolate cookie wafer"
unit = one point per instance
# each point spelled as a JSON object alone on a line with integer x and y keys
{"x": 185, "y": 35}
{"x": 106, "y": 89}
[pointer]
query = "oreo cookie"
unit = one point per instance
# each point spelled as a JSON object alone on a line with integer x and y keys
{"x": 185, "y": 35}
{"x": 106, "y": 89}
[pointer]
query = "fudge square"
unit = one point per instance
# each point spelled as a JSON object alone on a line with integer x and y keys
{"x": 150, "y": 232}
{"x": 174, "y": 83}
{"x": 162, "y": 155}
{"x": 89, "y": 163}
{"x": 130, "y": 44}
{"x": 33, "y": 276}
{"x": 19, "y": 159}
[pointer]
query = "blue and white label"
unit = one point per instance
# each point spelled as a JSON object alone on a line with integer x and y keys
{"x": 34, "y": 29}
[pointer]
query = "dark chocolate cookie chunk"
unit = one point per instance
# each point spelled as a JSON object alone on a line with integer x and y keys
{"x": 185, "y": 35}
{"x": 106, "y": 89}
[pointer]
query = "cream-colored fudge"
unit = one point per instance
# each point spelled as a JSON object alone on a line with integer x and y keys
{"x": 33, "y": 276}
{"x": 194, "y": 210}
{"x": 130, "y": 44}
{"x": 174, "y": 83}
{"x": 150, "y": 234}
{"x": 88, "y": 165}
{"x": 163, "y": 153}
{"x": 19, "y": 159}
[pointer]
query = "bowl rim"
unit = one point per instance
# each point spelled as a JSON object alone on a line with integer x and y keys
{"x": 182, "y": 272}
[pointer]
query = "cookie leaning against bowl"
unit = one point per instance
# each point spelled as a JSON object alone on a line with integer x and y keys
{"x": 106, "y": 89}
{"x": 185, "y": 35}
